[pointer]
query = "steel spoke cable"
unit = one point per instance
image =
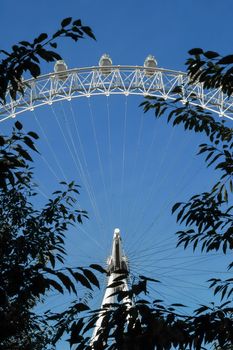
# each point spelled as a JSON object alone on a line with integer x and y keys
{"x": 141, "y": 257}
{"x": 198, "y": 258}
{"x": 170, "y": 297}
{"x": 171, "y": 249}
{"x": 167, "y": 206}
{"x": 179, "y": 293}
{"x": 123, "y": 158}
{"x": 51, "y": 150}
{"x": 152, "y": 193}
{"x": 156, "y": 246}
{"x": 137, "y": 233}
{"x": 84, "y": 172}
{"x": 184, "y": 281}
{"x": 81, "y": 148}
{"x": 192, "y": 261}
{"x": 85, "y": 183}
{"x": 78, "y": 167}
{"x": 100, "y": 164}
{"x": 140, "y": 182}
{"x": 177, "y": 269}
{"x": 134, "y": 167}
{"x": 168, "y": 279}
{"x": 110, "y": 159}
{"x": 167, "y": 202}
{"x": 165, "y": 275}
{"x": 38, "y": 182}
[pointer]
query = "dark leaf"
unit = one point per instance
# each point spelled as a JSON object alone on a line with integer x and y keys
{"x": 77, "y": 23}
{"x": 82, "y": 279}
{"x": 178, "y": 305}
{"x": 29, "y": 143}
{"x": 91, "y": 277}
{"x": 88, "y": 31}
{"x": 226, "y": 60}
{"x": 18, "y": 125}
{"x": 24, "y": 154}
{"x": 55, "y": 285}
{"x": 195, "y": 51}
{"x": 66, "y": 281}
{"x": 54, "y": 45}
{"x": 33, "y": 134}
{"x": 98, "y": 268}
{"x": 2, "y": 141}
{"x": 211, "y": 54}
{"x": 81, "y": 307}
{"x": 65, "y": 22}
{"x": 149, "y": 279}
{"x": 41, "y": 38}
{"x": 175, "y": 207}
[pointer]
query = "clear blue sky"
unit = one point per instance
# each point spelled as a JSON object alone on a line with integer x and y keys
{"x": 160, "y": 163}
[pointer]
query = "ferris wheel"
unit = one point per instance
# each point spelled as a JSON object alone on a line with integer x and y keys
{"x": 106, "y": 79}
{"x": 128, "y": 165}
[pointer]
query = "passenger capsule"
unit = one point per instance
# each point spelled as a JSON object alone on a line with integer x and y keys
{"x": 150, "y": 63}
{"x": 60, "y": 67}
{"x": 105, "y": 64}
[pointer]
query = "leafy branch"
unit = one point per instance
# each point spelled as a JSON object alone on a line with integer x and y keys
{"x": 26, "y": 56}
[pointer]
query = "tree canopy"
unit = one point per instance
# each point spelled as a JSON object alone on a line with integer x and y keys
{"x": 32, "y": 239}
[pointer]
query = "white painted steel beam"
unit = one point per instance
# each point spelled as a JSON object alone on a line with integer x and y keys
{"x": 117, "y": 266}
{"x": 126, "y": 80}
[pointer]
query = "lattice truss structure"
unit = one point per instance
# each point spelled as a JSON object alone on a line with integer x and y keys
{"x": 134, "y": 80}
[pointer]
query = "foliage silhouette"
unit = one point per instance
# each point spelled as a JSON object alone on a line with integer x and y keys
{"x": 32, "y": 247}
{"x": 32, "y": 239}
{"x": 26, "y": 56}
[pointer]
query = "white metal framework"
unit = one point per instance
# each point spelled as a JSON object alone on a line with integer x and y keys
{"x": 117, "y": 266}
{"x": 106, "y": 80}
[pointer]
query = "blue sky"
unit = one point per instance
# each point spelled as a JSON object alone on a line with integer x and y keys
{"x": 160, "y": 163}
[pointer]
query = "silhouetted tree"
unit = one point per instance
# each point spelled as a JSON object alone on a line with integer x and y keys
{"x": 32, "y": 246}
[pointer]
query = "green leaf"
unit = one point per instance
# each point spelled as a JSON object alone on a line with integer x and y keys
{"x": 210, "y": 54}
{"x": 66, "y": 281}
{"x": 55, "y": 285}
{"x": 24, "y": 43}
{"x": 226, "y": 60}
{"x": 33, "y": 68}
{"x": 41, "y": 38}
{"x": 195, "y": 51}
{"x": 88, "y": 31}
{"x": 83, "y": 280}
{"x": 2, "y": 141}
{"x": 54, "y": 45}
{"x": 178, "y": 305}
{"x": 29, "y": 143}
{"x": 66, "y": 22}
{"x": 33, "y": 134}
{"x": 58, "y": 335}
{"x": 81, "y": 307}
{"x": 201, "y": 309}
{"x": 18, "y": 125}
{"x": 149, "y": 279}
{"x": 231, "y": 186}
{"x": 24, "y": 154}
{"x": 225, "y": 195}
{"x": 175, "y": 207}
{"x": 77, "y": 22}
{"x": 98, "y": 268}
{"x": 91, "y": 277}
{"x": 115, "y": 284}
